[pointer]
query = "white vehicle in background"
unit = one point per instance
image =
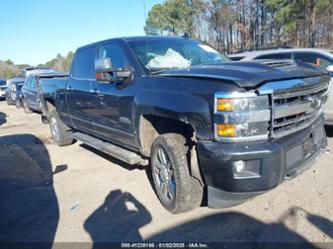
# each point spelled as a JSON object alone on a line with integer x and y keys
{"x": 3, "y": 86}
{"x": 37, "y": 70}
{"x": 321, "y": 57}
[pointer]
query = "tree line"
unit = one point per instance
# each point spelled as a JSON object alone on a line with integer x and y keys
{"x": 60, "y": 63}
{"x": 234, "y": 25}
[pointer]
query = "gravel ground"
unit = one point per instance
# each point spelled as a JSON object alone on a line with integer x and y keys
{"x": 76, "y": 194}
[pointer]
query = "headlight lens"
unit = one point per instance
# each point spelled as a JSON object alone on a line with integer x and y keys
{"x": 241, "y": 117}
{"x": 241, "y": 104}
{"x": 225, "y": 105}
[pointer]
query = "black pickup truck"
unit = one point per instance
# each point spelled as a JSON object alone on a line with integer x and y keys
{"x": 204, "y": 125}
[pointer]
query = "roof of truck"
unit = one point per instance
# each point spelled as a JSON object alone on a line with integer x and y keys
{"x": 137, "y": 38}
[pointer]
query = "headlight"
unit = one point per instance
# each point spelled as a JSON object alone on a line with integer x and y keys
{"x": 241, "y": 116}
{"x": 224, "y": 104}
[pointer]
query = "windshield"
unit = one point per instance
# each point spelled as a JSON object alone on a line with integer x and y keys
{"x": 161, "y": 54}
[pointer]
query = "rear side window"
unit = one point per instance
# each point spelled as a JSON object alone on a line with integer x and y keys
{"x": 116, "y": 54}
{"x": 313, "y": 58}
{"x": 280, "y": 56}
{"x": 83, "y": 64}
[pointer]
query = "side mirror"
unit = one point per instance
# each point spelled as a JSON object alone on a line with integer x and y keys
{"x": 330, "y": 68}
{"x": 105, "y": 72}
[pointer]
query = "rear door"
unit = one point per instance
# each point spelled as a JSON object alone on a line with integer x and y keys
{"x": 32, "y": 99}
{"x": 26, "y": 90}
{"x": 78, "y": 94}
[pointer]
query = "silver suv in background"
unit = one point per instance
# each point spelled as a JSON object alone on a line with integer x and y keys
{"x": 321, "y": 57}
{"x": 3, "y": 86}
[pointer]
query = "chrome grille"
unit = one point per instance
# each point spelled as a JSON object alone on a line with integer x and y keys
{"x": 298, "y": 107}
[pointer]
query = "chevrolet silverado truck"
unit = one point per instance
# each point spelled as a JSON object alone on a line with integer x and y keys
{"x": 206, "y": 126}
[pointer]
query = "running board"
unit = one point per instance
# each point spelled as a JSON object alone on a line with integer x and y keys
{"x": 122, "y": 154}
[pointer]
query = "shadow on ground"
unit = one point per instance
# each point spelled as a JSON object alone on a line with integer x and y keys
{"x": 121, "y": 216}
{"x": 118, "y": 219}
{"x": 237, "y": 227}
{"x": 28, "y": 204}
{"x": 3, "y": 118}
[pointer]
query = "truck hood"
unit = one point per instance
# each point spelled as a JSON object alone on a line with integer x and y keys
{"x": 249, "y": 74}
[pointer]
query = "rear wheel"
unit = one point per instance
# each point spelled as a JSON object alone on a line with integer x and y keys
{"x": 60, "y": 132}
{"x": 26, "y": 108}
{"x": 176, "y": 189}
{"x": 18, "y": 103}
{"x": 8, "y": 100}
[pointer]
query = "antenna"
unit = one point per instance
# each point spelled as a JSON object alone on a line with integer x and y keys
{"x": 145, "y": 16}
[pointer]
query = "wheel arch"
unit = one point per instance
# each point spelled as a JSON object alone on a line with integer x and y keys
{"x": 151, "y": 126}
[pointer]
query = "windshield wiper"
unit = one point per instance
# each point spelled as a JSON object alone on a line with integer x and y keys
{"x": 157, "y": 71}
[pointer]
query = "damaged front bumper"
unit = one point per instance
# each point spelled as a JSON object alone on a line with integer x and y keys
{"x": 265, "y": 164}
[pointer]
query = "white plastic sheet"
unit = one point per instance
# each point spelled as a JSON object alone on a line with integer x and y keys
{"x": 171, "y": 59}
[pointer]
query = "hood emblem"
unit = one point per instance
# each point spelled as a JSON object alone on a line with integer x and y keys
{"x": 315, "y": 103}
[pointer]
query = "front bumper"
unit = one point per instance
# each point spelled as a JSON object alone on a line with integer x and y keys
{"x": 279, "y": 160}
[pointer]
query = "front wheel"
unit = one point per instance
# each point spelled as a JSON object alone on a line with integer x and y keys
{"x": 60, "y": 132}
{"x": 176, "y": 189}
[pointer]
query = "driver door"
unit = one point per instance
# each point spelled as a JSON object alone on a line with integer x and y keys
{"x": 113, "y": 101}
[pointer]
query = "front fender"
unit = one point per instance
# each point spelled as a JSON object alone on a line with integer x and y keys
{"x": 191, "y": 109}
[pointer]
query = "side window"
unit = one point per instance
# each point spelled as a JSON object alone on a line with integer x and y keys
{"x": 27, "y": 83}
{"x": 313, "y": 58}
{"x": 83, "y": 64}
{"x": 116, "y": 54}
{"x": 33, "y": 82}
{"x": 280, "y": 56}
{"x": 306, "y": 57}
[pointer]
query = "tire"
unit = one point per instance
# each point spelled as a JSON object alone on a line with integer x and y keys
{"x": 18, "y": 103}
{"x": 25, "y": 106}
{"x": 60, "y": 132}
{"x": 176, "y": 189}
{"x": 8, "y": 101}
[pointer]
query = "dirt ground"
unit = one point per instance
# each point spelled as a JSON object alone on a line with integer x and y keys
{"x": 76, "y": 194}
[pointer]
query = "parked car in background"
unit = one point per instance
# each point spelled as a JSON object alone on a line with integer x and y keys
{"x": 37, "y": 70}
{"x": 320, "y": 57}
{"x": 30, "y": 91}
{"x": 13, "y": 91}
{"x": 233, "y": 129}
{"x": 3, "y": 85}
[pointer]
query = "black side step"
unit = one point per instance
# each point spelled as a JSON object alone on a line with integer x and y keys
{"x": 111, "y": 149}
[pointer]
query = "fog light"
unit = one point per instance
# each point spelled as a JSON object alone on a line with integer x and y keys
{"x": 226, "y": 130}
{"x": 246, "y": 169}
{"x": 239, "y": 166}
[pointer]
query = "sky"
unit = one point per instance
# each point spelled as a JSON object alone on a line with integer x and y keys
{"x": 35, "y": 31}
